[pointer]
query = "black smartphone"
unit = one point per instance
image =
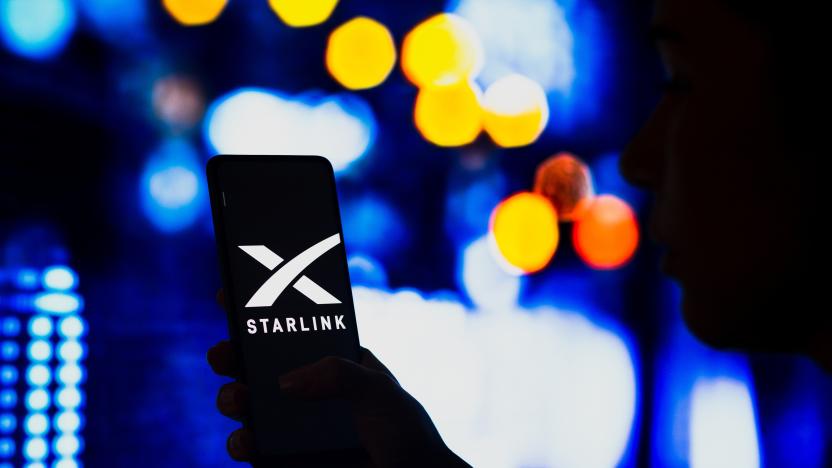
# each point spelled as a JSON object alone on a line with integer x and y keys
{"x": 288, "y": 297}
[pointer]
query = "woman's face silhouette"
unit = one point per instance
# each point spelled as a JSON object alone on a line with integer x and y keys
{"x": 727, "y": 191}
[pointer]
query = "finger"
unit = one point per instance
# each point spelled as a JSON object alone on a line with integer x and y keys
{"x": 334, "y": 377}
{"x": 232, "y": 400}
{"x": 223, "y": 359}
{"x": 240, "y": 445}
{"x": 369, "y": 360}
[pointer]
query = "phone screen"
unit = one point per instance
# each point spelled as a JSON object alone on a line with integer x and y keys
{"x": 285, "y": 272}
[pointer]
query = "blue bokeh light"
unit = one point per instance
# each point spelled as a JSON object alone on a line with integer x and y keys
{"x": 71, "y": 351}
{"x": 70, "y": 397}
{"x": 8, "y": 423}
{"x": 68, "y": 421}
{"x": 8, "y": 375}
{"x": 7, "y": 447}
{"x": 9, "y": 350}
{"x": 58, "y": 302}
{"x": 59, "y": 278}
{"x": 8, "y": 398}
{"x": 36, "y": 29}
{"x": 372, "y": 226}
{"x": 366, "y": 271}
{"x": 10, "y": 326}
{"x": 38, "y": 375}
{"x": 36, "y": 424}
{"x": 35, "y": 449}
{"x": 119, "y": 22}
{"x": 40, "y": 326}
{"x": 172, "y": 188}
{"x": 72, "y": 327}
{"x": 39, "y": 350}
{"x": 37, "y": 399}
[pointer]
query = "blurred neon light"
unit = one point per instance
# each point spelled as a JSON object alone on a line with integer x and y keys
{"x": 484, "y": 281}
{"x": 37, "y": 399}
{"x": 70, "y": 351}
{"x": 35, "y": 449}
{"x": 360, "y": 53}
{"x": 524, "y": 231}
{"x": 39, "y": 350}
{"x": 442, "y": 50}
{"x": 449, "y": 115}
{"x": 36, "y": 29}
{"x": 567, "y": 182}
{"x": 10, "y": 326}
{"x": 260, "y": 121}
{"x": 38, "y": 375}
{"x": 8, "y": 375}
{"x": 194, "y": 13}
{"x": 67, "y": 445}
{"x": 607, "y": 234}
{"x": 68, "y": 421}
{"x": 69, "y": 397}
{"x": 303, "y": 13}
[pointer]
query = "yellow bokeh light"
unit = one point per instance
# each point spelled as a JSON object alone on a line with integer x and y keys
{"x": 524, "y": 228}
{"x": 449, "y": 115}
{"x": 194, "y": 12}
{"x": 442, "y": 50}
{"x": 515, "y": 111}
{"x": 360, "y": 53}
{"x": 302, "y": 13}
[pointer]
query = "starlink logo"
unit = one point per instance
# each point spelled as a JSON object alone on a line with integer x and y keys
{"x": 292, "y": 273}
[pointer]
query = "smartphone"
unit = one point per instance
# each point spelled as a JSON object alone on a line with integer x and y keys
{"x": 288, "y": 297}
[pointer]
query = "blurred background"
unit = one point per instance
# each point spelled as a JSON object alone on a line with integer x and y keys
{"x": 498, "y": 259}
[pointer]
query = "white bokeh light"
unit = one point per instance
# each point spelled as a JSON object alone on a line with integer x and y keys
{"x": 261, "y": 121}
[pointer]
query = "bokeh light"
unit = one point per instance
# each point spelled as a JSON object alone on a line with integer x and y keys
{"x": 302, "y": 13}
{"x": 360, "y": 53}
{"x": 487, "y": 284}
{"x": 177, "y": 102}
{"x": 172, "y": 188}
{"x": 515, "y": 111}
{"x": 373, "y": 226}
{"x": 194, "y": 12}
{"x": 723, "y": 426}
{"x": 566, "y": 181}
{"x": 524, "y": 229}
{"x": 607, "y": 234}
{"x": 261, "y": 121}
{"x": 449, "y": 115}
{"x": 530, "y": 37}
{"x": 36, "y": 29}
{"x": 59, "y": 278}
{"x": 442, "y": 50}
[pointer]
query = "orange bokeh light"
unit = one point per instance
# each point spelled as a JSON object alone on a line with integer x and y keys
{"x": 607, "y": 234}
{"x": 524, "y": 228}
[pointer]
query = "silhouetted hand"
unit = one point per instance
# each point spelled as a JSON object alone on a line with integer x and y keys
{"x": 393, "y": 427}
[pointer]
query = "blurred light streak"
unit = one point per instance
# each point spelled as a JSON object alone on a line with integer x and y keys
{"x": 303, "y": 13}
{"x": 529, "y": 37}
{"x": 566, "y": 181}
{"x": 360, "y": 53}
{"x": 540, "y": 387}
{"x": 194, "y": 12}
{"x": 442, "y": 50}
{"x": 449, "y": 115}
{"x": 515, "y": 111}
{"x": 260, "y": 121}
{"x": 607, "y": 234}
{"x": 58, "y": 302}
{"x": 36, "y": 29}
{"x": 524, "y": 232}
{"x": 171, "y": 188}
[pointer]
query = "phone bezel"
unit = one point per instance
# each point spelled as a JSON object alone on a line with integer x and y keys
{"x": 214, "y": 165}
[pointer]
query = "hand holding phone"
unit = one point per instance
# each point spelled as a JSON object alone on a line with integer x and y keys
{"x": 393, "y": 427}
{"x": 290, "y": 314}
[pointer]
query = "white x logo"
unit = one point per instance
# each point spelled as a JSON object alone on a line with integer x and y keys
{"x": 274, "y": 286}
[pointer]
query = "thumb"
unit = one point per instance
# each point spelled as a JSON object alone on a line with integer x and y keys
{"x": 333, "y": 377}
